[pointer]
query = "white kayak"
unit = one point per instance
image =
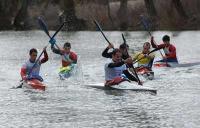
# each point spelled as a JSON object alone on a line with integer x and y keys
{"x": 125, "y": 85}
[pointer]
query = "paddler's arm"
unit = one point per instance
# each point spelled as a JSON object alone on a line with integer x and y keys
{"x": 112, "y": 65}
{"x": 45, "y": 59}
{"x": 52, "y": 42}
{"x": 23, "y": 73}
{"x": 158, "y": 47}
{"x": 150, "y": 55}
{"x": 127, "y": 61}
{"x": 54, "y": 50}
{"x": 105, "y": 52}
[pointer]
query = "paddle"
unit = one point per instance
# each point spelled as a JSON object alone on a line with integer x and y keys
{"x": 147, "y": 28}
{"x": 100, "y": 29}
{"x": 132, "y": 67}
{"x": 44, "y": 27}
{"x": 37, "y": 60}
{"x": 156, "y": 49}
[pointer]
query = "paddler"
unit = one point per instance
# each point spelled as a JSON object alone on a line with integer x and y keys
{"x": 31, "y": 68}
{"x": 169, "y": 49}
{"x": 116, "y": 70}
{"x": 69, "y": 58}
{"x": 145, "y": 60}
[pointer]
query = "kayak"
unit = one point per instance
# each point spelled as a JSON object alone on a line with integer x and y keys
{"x": 125, "y": 85}
{"x": 66, "y": 72}
{"x": 173, "y": 64}
{"x": 34, "y": 84}
{"x": 146, "y": 73}
{"x": 165, "y": 64}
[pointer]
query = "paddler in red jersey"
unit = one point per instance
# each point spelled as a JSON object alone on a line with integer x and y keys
{"x": 169, "y": 49}
{"x": 31, "y": 68}
{"x": 69, "y": 58}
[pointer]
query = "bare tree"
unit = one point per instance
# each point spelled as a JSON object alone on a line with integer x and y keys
{"x": 7, "y": 12}
{"x": 122, "y": 14}
{"x": 150, "y": 7}
{"x": 20, "y": 21}
{"x": 179, "y": 8}
{"x": 72, "y": 22}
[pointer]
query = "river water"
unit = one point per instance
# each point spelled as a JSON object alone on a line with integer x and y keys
{"x": 71, "y": 103}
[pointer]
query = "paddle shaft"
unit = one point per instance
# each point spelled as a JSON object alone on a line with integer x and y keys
{"x": 144, "y": 23}
{"x": 132, "y": 66}
{"x": 99, "y": 27}
{"x": 147, "y": 54}
{"x": 44, "y": 27}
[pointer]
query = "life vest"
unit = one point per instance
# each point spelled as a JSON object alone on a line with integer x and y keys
{"x": 111, "y": 73}
{"x": 143, "y": 62}
{"x": 170, "y": 52}
{"x": 68, "y": 58}
{"x": 30, "y": 70}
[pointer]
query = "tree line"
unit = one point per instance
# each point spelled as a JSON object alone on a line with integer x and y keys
{"x": 112, "y": 14}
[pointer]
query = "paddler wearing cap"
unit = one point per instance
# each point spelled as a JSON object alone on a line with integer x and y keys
{"x": 68, "y": 57}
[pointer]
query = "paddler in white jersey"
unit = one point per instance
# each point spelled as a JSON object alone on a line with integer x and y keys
{"x": 116, "y": 71}
{"x": 30, "y": 70}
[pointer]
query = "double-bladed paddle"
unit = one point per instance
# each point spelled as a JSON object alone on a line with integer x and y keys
{"x": 44, "y": 27}
{"x": 156, "y": 49}
{"x": 147, "y": 28}
{"x": 100, "y": 29}
{"x": 132, "y": 66}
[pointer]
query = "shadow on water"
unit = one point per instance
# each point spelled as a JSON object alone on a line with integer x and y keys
{"x": 139, "y": 116}
{"x": 35, "y": 95}
{"x": 117, "y": 92}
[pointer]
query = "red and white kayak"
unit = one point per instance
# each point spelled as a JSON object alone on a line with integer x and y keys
{"x": 165, "y": 64}
{"x": 34, "y": 84}
{"x": 160, "y": 65}
{"x": 174, "y": 64}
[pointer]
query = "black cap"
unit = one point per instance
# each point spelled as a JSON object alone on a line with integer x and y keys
{"x": 67, "y": 45}
{"x": 166, "y": 38}
{"x": 123, "y": 46}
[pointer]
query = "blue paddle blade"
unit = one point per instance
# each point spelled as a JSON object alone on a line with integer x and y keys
{"x": 43, "y": 26}
{"x": 145, "y": 22}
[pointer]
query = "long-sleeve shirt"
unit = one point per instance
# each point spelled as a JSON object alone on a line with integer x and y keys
{"x": 107, "y": 54}
{"x": 170, "y": 51}
{"x": 33, "y": 68}
{"x": 67, "y": 58}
